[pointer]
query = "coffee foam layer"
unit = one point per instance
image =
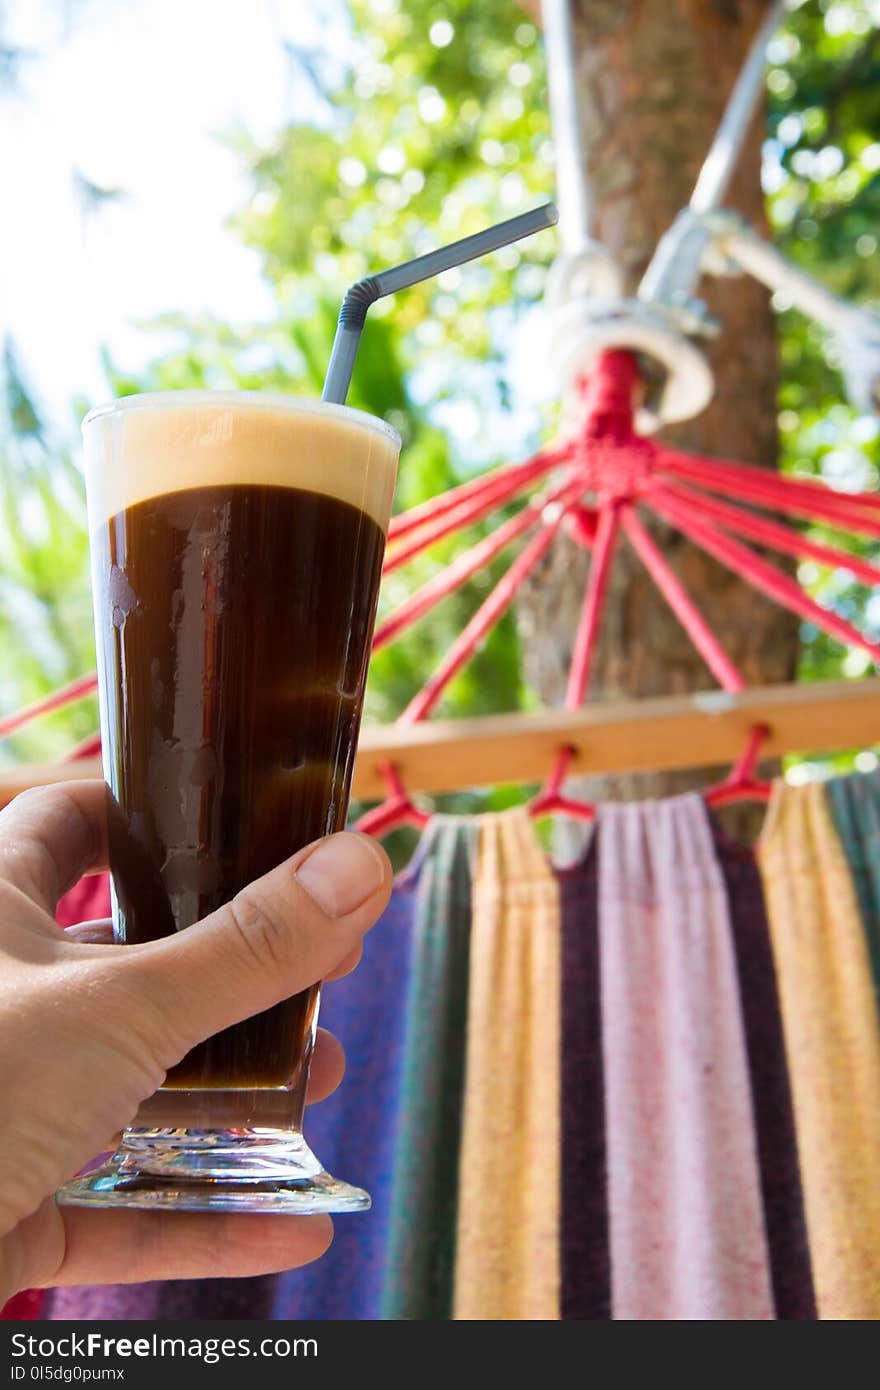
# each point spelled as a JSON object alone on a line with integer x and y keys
{"x": 141, "y": 450}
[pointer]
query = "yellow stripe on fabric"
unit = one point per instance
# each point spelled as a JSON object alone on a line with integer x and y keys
{"x": 833, "y": 1045}
{"x": 507, "y": 1249}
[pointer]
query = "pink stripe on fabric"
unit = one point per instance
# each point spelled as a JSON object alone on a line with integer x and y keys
{"x": 687, "y": 1231}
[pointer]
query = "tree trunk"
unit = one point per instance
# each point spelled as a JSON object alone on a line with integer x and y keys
{"x": 653, "y": 77}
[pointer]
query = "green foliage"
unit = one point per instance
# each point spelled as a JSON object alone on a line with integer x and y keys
{"x": 824, "y": 204}
{"x": 421, "y": 141}
{"x": 45, "y": 610}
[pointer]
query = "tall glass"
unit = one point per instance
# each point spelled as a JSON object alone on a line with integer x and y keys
{"x": 236, "y": 542}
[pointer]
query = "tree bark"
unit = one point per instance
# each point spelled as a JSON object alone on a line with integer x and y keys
{"x": 653, "y": 77}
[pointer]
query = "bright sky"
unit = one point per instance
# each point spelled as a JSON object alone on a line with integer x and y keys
{"x": 133, "y": 96}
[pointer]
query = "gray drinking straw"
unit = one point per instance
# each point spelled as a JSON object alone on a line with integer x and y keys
{"x": 360, "y": 296}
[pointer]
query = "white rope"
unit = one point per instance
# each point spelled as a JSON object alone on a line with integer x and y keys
{"x": 571, "y": 162}
{"x": 589, "y": 314}
{"x": 714, "y": 178}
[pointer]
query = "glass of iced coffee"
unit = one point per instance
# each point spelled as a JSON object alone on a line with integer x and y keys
{"x": 237, "y": 542}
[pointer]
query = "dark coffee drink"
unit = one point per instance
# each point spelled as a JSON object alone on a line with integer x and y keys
{"x": 235, "y": 611}
{"x": 240, "y": 629}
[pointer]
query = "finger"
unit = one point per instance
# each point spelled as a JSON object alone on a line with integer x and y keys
{"x": 126, "y": 1247}
{"x": 281, "y": 934}
{"x": 328, "y": 1067}
{"x": 51, "y": 836}
{"x": 96, "y": 933}
{"x": 345, "y": 967}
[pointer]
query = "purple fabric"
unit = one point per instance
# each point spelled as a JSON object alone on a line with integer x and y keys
{"x": 585, "y": 1270}
{"x": 353, "y": 1134}
{"x": 685, "y": 1210}
{"x": 788, "y": 1248}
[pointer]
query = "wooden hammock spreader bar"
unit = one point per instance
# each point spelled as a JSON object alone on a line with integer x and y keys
{"x": 683, "y": 731}
{"x": 675, "y": 732}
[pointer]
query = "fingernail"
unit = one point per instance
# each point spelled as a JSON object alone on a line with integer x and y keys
{"x": 342, "y": 873}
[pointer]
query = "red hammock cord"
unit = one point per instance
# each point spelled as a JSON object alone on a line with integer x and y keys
{"x": 718, "y": 505}
{"x": 607, "y": 458}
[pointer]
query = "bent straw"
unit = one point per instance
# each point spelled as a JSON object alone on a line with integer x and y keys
{"x": 361, "y": 295}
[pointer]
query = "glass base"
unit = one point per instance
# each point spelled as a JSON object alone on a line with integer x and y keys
{"x": 244, "y": 1170}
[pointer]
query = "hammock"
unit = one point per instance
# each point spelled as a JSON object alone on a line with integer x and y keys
{"x": 645, "y": 1086}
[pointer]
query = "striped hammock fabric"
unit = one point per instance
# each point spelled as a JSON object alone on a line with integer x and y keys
{"x": 643, "y": 1087}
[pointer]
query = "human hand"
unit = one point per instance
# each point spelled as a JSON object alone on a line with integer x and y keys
{"x": 88, "y": 1031}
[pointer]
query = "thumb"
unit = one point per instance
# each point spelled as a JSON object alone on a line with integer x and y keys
{"x": 282, "y": 933}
